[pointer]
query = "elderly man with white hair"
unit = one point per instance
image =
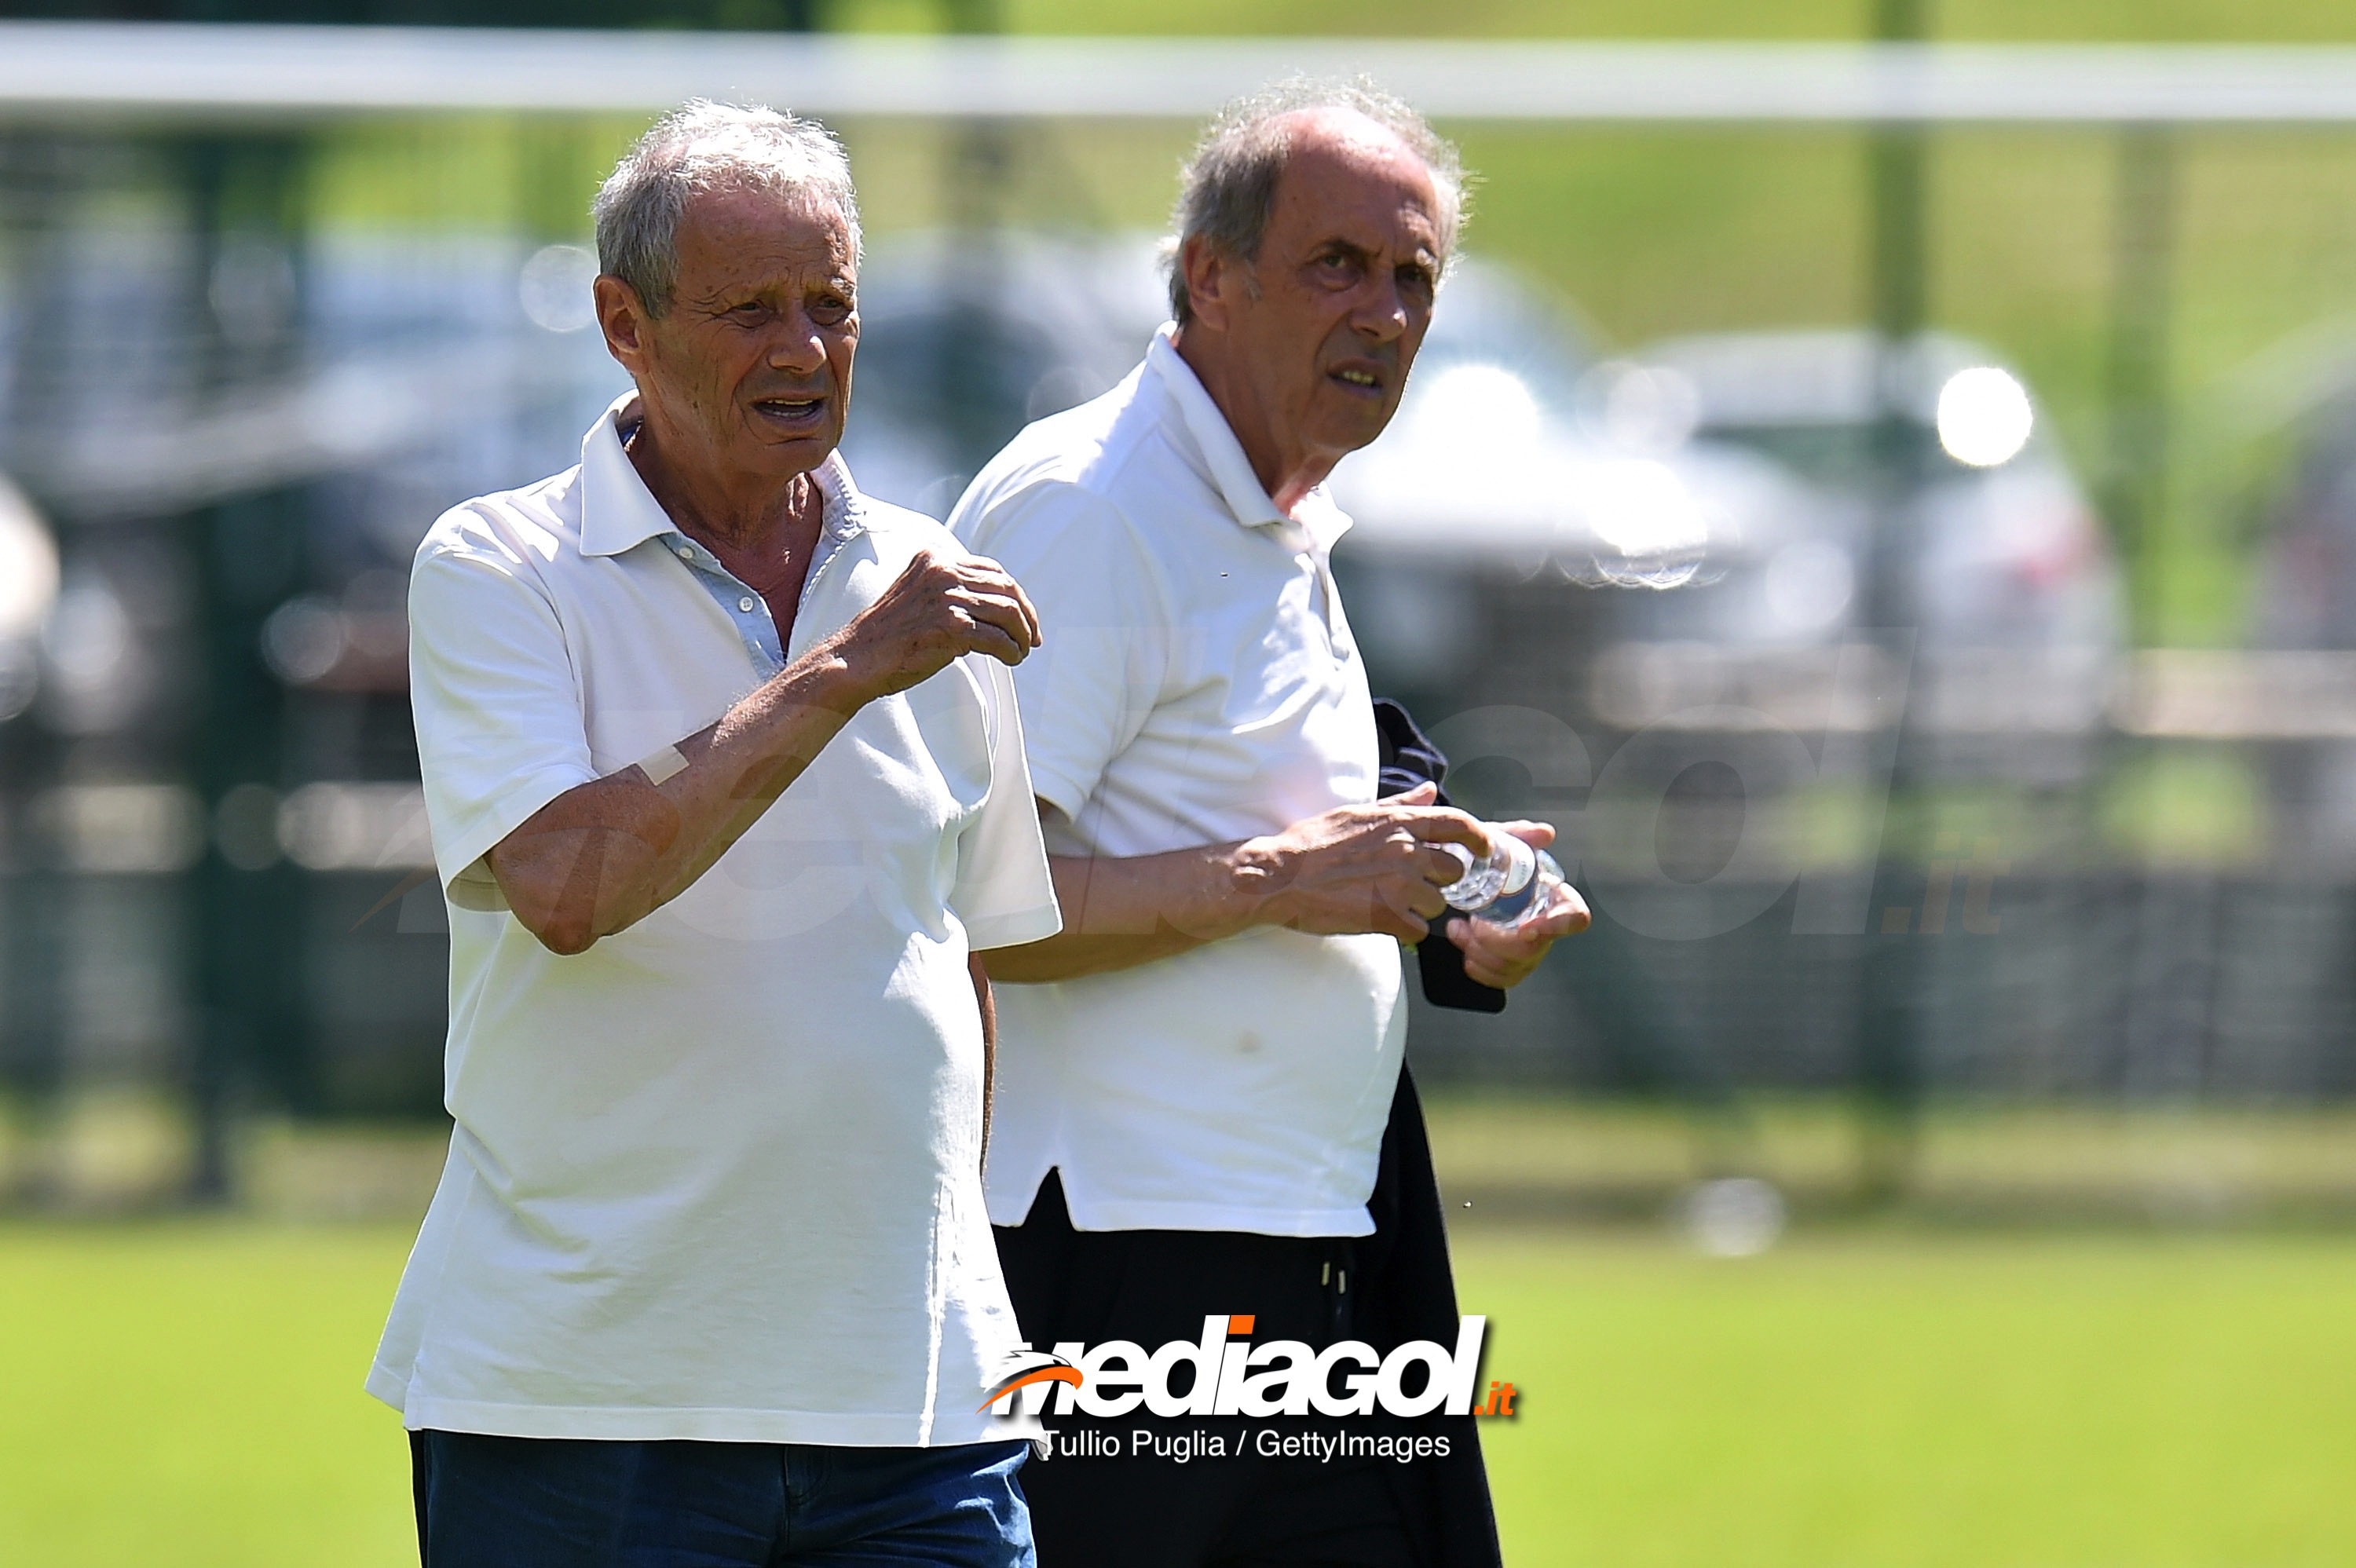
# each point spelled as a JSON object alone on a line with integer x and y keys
{"x": 727, "y": 793}
{"x": 1203, "y": 1111}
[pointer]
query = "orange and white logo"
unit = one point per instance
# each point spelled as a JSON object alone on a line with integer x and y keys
{"x": 1032, "y": 1369}
{"x": 1232, "y": 1376}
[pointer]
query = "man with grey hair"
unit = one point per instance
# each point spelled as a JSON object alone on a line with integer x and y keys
{"x": 1203, "y": 1111}
{"x": 726, "y": 785}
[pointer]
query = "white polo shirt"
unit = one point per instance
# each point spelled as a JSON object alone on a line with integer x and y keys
{"x": 1198, "y": 685}
{"x": 718, "y": 1176}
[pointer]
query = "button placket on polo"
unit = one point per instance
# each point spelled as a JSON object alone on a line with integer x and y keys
{"x": 746, "y": 613}
{"x": 839, "y": 524}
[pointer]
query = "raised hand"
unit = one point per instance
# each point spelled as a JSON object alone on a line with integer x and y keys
{"x": 940, "y": 608}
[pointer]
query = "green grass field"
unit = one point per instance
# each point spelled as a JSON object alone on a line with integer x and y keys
{"x": 185, "y": 1394}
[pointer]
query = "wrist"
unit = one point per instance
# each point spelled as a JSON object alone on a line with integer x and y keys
{"x": 832, "y": 676}
{"x": 1258, "y": 878}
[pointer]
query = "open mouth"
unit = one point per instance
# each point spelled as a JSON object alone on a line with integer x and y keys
{"x": 1359, "y": 380}
{"x": 790, "y": 410}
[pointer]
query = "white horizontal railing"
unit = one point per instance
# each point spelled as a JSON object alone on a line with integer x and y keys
{"x": 2164, "y": 694}
{"x": 49, "y": 69}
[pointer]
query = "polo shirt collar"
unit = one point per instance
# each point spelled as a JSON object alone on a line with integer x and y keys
{"x": 1222, "y": 455}
{"x": 619, "y": 513}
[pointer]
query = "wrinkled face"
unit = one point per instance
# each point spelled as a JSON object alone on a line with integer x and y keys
{"x": 1341, "y": 294}
{"x": 749, "y": 368}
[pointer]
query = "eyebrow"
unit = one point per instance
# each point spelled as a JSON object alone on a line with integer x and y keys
{"x": 729, "y": 298}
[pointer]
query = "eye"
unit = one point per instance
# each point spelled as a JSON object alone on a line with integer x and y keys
{"x": 1339, "y": 269}
{"x": 746, "y": 312}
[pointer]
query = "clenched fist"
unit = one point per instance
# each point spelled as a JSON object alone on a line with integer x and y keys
{"x": 942, "y": 607}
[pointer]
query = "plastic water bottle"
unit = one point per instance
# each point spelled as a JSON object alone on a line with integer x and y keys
{"x": 1504, "y": 885}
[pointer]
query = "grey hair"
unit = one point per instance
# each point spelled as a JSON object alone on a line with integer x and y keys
{"x": 1227, "y": 192}
{"x": 706, "y": 146}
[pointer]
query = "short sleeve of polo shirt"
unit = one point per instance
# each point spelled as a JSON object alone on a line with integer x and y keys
{"x": 1004, "y": 895}
{"x": 1104, "y": 616}
{"x": 500, "y": 727}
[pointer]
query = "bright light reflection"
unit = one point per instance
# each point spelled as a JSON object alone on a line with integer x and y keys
{"x": 1643, "y": 511}
{"x": 1983, "y": 417}
{"x": 554, "y": 288}
{"x": 1485, "y": 405}
{"x": 29, "y": 568}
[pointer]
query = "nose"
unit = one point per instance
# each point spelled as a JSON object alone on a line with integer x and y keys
{"x": 1382, "y": 313}
{"x": 798, "y": 347}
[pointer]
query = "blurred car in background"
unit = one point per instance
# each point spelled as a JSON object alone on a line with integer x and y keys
{"x": 1941, "y": 525}
{"x": 1519, "y": 482}
{"x": 1701, "y": 535}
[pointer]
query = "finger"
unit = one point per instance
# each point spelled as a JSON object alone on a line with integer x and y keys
{"x": 987, "y": 577}
{"x": 1488, "y": 943}
{"x": 1519, "y": 945}
{"x": 1491, "y": 949}
{"x": 1389, "y": 920}
{"x": 1444, "y": 825}
{"x": 1029, "y": 612}
{"x": 1537, "y": 933}
{"x": 1425, "y": 901}
{"x": 1558, "y": 924}
{"x": 1439, "y": 867}
{"x": 1499, "y": 979}
{"x": 1536, "y": 835}
{"x": 985, "y": 637}
{"x": 1569, "y": 908}
{"x": 1005, "y": 615}
{"x": 1423, "y": 794}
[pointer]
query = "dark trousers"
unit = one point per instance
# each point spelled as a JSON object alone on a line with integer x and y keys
{"x": 1140, "y": 1511}
{"x": 532, "y": 1502}
{"x": 1136, "y": 1507}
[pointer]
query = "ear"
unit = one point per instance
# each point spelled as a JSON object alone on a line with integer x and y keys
{"x": 1212, "y": 282}
{"x": 623, "y": 318}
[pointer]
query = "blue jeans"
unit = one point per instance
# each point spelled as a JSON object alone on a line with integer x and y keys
{"x": 528, "y": 1502}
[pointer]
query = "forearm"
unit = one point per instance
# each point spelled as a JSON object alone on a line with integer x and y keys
{"x": 1119, "y": 914}
{"x": 602, "y": 857}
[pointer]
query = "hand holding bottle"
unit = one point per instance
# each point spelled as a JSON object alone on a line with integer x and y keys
{"x": 1506, "y": 884}
{"x": 1513, "y": 904}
